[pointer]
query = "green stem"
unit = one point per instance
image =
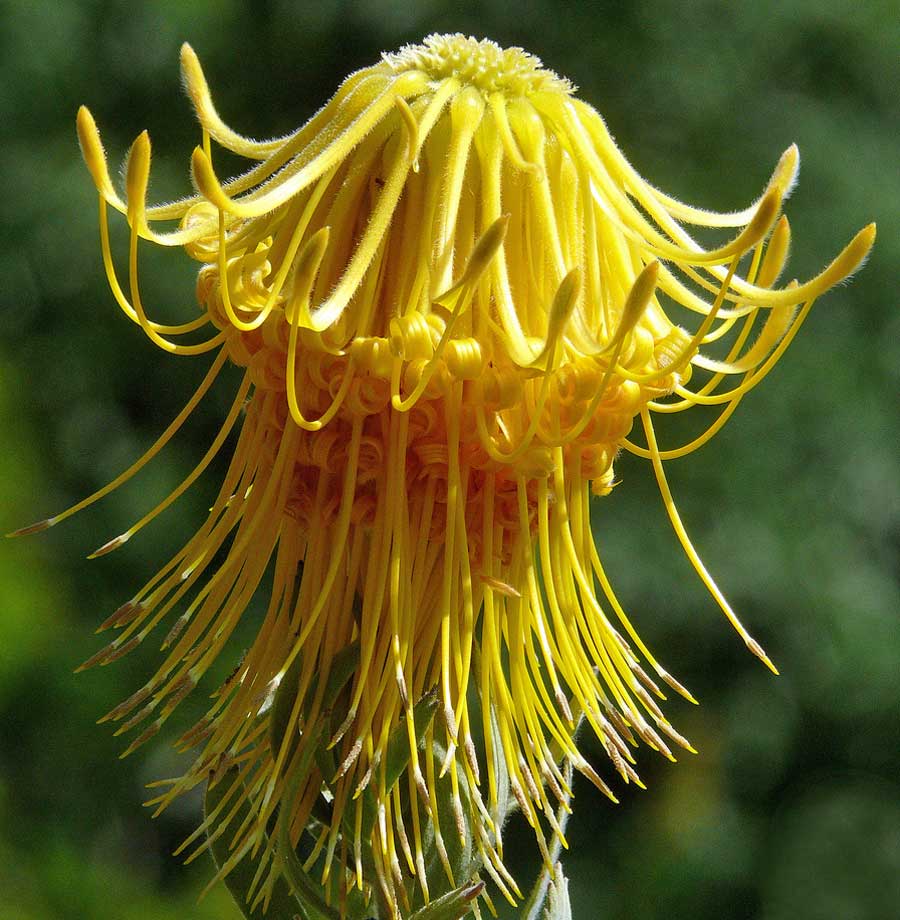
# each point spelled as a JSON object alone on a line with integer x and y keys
{"x": 532, "y": 907}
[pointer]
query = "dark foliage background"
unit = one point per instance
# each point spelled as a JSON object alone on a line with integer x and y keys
{"x": 792, "y": 808}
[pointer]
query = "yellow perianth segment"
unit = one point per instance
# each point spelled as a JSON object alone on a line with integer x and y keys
{"x": 450, "y": 296}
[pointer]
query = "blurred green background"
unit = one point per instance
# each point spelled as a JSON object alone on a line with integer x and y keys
{"x": 792, "y": 808}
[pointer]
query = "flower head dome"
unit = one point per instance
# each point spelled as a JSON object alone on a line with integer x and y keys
{"x": 450, "y": 297}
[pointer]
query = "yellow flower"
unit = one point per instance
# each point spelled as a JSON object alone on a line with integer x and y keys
{"x": 450, "y": 296}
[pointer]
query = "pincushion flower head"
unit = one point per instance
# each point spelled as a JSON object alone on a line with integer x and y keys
{"x": 449, "y": 298}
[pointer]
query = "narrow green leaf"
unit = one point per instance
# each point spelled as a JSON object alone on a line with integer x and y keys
{"x": 283, "y": 905}
{"x": 558, "y": 905}
{"x": 343, "y": 666}
{"x": 461, "y": 854}
{"x": 452, "y": 906}
{"x": 306, "y": 890}
{"x": 399, "y": 753}
{"x": 283, "y": 704}
{"x": 507, "y": 803}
